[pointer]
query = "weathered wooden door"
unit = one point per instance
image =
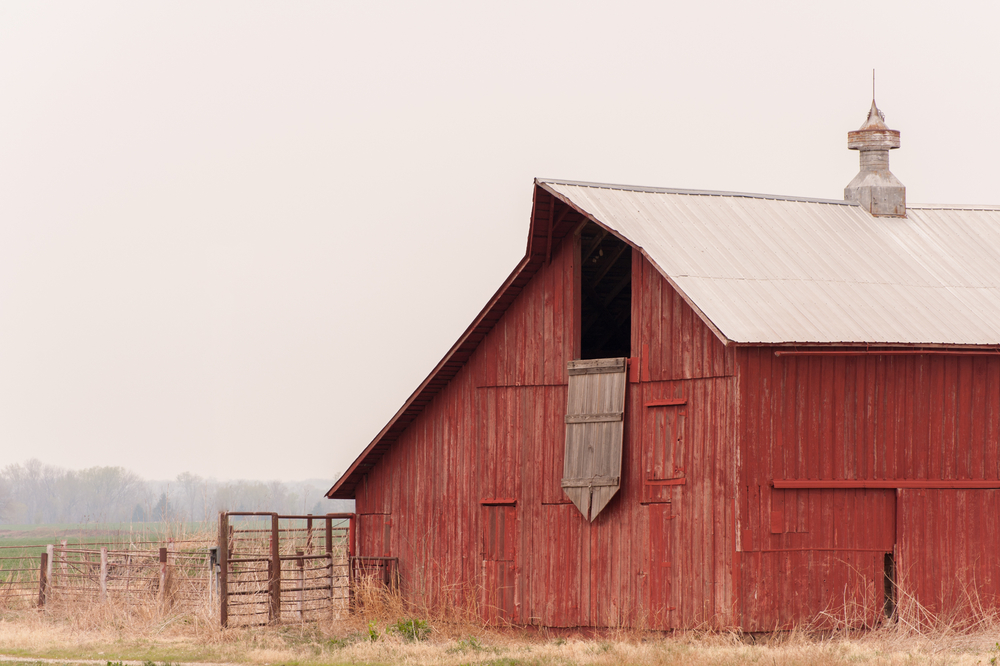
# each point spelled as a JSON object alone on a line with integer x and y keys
{"x": 949, "y": 549}
{"x": 663, "y": 449}
{"x": 815, "y": 554}
{"x": 661, "y": 526}
{"x": 595, "y": 405}
{"x": 663, "y": 452}
{"x": 499, "y": 553}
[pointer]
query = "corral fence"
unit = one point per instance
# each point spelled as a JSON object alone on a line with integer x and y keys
{"x": 20, "y": 573}
{"x": 260, "y": 568}
{"x": 177, "y": 575}
{"x": 169, "y": 571}
{"x": 278, "y": 568}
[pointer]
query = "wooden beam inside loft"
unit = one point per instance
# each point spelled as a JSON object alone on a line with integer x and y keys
{"x": 589, "y": 250}
{"x": 609, "y": 263}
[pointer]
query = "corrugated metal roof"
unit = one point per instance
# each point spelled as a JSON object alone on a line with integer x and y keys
{"x": 765, "y": 269}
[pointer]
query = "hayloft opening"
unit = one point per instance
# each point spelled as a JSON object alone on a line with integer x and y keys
{"x": 605, "y": 294}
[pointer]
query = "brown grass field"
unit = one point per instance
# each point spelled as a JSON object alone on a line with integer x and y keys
{"x": 382, "y": 631}
{"x": 108, "y": 632}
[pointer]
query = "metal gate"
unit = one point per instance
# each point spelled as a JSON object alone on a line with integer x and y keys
{"x": 277, "y": 568}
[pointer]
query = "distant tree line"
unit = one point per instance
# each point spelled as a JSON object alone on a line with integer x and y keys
{"x": 36, "y": 493}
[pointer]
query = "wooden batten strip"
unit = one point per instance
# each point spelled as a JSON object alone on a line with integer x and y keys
{"x": 594, "y": 418}
{"x": 591, "y": 481}
{"x": 681, "y": 481}
{"x": 576, "y": 369}
{"x": 929, "y": 484}
{"x": 668, "y": 402}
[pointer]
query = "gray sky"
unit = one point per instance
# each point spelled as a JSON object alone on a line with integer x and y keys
{"x": 234, "y": 237}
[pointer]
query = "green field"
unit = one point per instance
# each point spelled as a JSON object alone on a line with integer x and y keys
{"x": 22, "y": 545}
{"x": 98, "y": 533}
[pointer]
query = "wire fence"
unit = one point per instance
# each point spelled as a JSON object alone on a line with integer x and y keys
{"x": 19, "y": 574}
{"x": 270, "y": 569}
{"x": 176, "y": 577}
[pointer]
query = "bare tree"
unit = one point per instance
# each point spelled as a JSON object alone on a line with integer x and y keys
{"x": 6, "y": 500}
{"x": 190, "y": 484}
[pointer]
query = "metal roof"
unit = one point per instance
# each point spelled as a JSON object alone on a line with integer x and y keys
{"x": 773, "y": 270}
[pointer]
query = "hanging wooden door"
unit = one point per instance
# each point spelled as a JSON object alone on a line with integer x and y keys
{"x": 595, "y": 407}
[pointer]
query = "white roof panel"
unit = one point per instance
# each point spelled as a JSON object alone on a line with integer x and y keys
{"x": 770, "y": 270}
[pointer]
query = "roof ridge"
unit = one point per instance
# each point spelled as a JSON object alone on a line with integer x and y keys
{"x": 928, "y": 206}
{"x": 707, "y": 193}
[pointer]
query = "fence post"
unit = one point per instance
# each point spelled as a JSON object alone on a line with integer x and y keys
{"x": 50, "y": 556}
{"x": 275, "y": 608}
{"x": 104, "y": 573}
{"x": 302, "y": 580}
{"x": 63, "y": 563}
{"x": 211, "y": 577}
{"x": 223, "y": 555}
{"x": 43, "y": 579}
{"x": 351, "y": 552}
{"x": 329, "y": 535}
{"x": 329, "y": 563}
{"x": 163, "y": 575}
{"x": 309, "y": 534}
{"x": 351, "y": 533}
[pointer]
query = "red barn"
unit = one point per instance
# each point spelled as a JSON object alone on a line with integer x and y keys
{"x": 690, "y": 408}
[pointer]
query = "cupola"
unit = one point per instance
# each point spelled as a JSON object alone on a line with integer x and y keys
{"x": 875, "y": 188}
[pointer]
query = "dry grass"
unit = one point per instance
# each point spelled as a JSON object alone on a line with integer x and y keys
{"x": 117, "y": 632}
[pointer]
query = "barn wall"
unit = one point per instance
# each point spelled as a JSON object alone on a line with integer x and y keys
{"x": 495, "y": 435}
{"x": 688, "y": 544}
{"x": 862, "y": 417}
{"x": 471, "y": 444}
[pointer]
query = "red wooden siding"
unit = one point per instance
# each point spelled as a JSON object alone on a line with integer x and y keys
{"x": 866, "y": 417}
{"x": 375, "y": 530}
{"x": 495, "y": 433}
{"x": 673, "y": 342}
{"x": 499, "y": 554}
{"x": 949, "y": 549}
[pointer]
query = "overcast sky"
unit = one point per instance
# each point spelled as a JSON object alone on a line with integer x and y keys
{"x": 234, "y": 237}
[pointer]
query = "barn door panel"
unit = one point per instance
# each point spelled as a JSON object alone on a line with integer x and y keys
{"x": 660, "y": 565}
{"x": 663, "y": 450}
{"x": 595, "y": 405}
{"x": 949, "y": 549}
{"x": 498, "y": 549}
{"x": 834, "y": 572}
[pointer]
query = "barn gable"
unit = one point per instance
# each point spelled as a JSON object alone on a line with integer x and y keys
{"x": 469, "y": 497}
{"x": 552, "y": 221}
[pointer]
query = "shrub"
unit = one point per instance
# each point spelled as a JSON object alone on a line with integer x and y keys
{"x": 373, "y": 634}
{"x": 411, "y": 630}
